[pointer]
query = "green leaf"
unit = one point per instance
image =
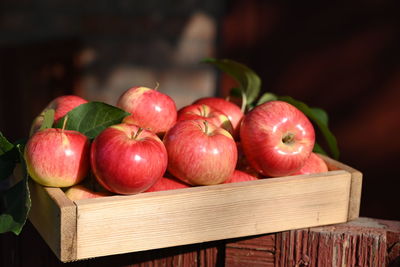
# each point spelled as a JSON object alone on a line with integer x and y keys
{"x": 92, "y": 118}
{"x": 235, "y": 92}
{"x": 6, "y": 169}
{"x": 8, "y": 158}
{"x": 15, "y": 202}
{"x": 5, "y": 145}
{"x": 48, "y": 119}
{"x": 249, "y": 82}
{"x": 321, "y": 115}
{"x": 320, "y": 119}
{"x": 266, "y": 97}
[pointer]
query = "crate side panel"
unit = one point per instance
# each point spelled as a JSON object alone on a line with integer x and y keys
{"x": 163, "y": 219}
{"x": 54, "y": 217}
{"x": 356, "y": 185}
{"x": 45, "y": 216}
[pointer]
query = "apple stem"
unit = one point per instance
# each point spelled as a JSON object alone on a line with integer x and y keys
{"x": 157, "y": 85}
{"x": 206, "y": 127}
{"x": 288, "y": 139}
{"x": 244, "y": 101}
{"x": 139, "y": 131}
{"x": 64, "y": 123}
{"x": 203, "y": 111}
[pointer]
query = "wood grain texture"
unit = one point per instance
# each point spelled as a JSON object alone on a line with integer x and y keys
{"x": 120, "y": 224}
{"x": 255, "y": 251}
{"x": 54, "y": 216}
{"x": 362, "y": 242}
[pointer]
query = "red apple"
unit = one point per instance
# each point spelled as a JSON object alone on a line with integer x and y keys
{"x": 57, "y": 157}
{"x": 126, "y": 159}
{"x": 200, "y": 153}
{"x": 166, "y": 183}
{"x": 77, "y": 192}
{"x": 277, "y": 138}
{"x": 240, "y": 176}
{"x": 314, "y": 164}
{"x": 64, "y": 104}
{"x": 204, "y": 112}
{"x": 230, "y": 109}
{"x": 149, "y": 109}
{"x": 61, "y": 105}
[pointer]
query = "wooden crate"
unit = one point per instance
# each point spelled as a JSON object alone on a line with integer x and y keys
{"x": 120, "y": 224}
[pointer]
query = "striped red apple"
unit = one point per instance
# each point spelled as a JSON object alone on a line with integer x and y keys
{"x": 57, "y": 157}
{"x": 231, "y": 110}
{"x": 277, "y": 138}
{"x": 200, "y": 153}
{"x": 149, "y": 108}
{"x": 127, "y": 159}
{"x": 61, "y": 105}
{"x": 205, "y": 112}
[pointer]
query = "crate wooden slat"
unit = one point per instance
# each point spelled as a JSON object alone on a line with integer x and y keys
{"x": 120, "y": 224}
{"x": 355, "y": 188}
{"x": 54, "y": 216}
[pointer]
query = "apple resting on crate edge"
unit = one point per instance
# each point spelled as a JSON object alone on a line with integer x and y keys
{"x": 167, "y": 183}
{"x": 57, "y": 157}
{"x": 314, "y": 164}
{"x": 77, "y": 192}
{"x": 240, "y": 176}
{"x": 277, "y": 138}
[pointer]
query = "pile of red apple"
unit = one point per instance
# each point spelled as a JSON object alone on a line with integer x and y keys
{"x": 156, "y": 147}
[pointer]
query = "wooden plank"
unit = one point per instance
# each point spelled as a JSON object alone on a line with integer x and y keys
{"x": 300, "y": 246}
{"x": 120, "y": 224}
{"x": 54, "y": 216}
{"x": 254, "y": 251}
{"x": 356, "y": 185}
{"x": 361, "y": 242}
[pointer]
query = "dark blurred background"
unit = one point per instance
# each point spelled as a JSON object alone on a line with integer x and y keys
{"x": 343, "y": 57}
